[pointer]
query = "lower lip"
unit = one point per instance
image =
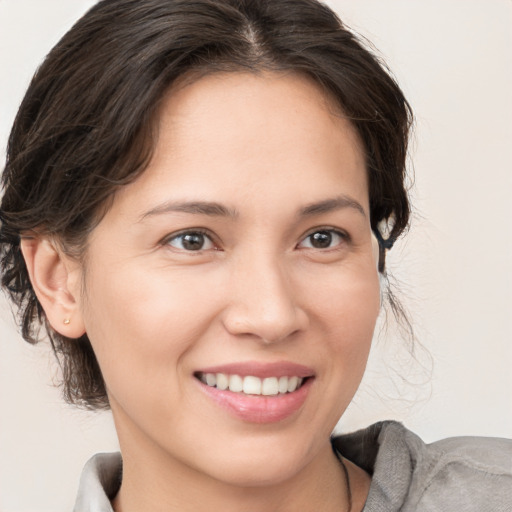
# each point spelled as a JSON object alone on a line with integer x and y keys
{"x": 259, "y": 408}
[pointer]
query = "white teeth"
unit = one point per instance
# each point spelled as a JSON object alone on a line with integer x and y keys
{"x": 250, "y": 385}
{"x": 236, "y": 383}
{"x": 292, "y": 384}
{"x": 222, "y": 381}
{"x": 270, "y": 386}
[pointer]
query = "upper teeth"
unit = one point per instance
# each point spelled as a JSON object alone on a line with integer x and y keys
{"x": 251, "y": 385}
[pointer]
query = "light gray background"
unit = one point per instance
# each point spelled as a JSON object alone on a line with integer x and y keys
{"x": 453, "y": 60}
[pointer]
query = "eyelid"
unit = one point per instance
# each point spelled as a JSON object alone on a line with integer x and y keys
{"x": 340, "y": 232}
{"x": 202, "y": 231}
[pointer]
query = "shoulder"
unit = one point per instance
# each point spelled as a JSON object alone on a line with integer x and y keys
{"x": 99, "y": 483}
{"x": 464, "y": 473}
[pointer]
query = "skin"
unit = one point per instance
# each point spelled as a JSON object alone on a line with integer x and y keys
{"x": 265, "y": 147}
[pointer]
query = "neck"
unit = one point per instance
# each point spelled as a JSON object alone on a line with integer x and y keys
{"x": 161, "y": 483}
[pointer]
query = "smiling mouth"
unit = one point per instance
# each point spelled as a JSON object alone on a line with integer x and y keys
{"x": 251, "y": 385}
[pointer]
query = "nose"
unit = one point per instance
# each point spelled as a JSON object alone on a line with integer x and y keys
{"x": 263, "y": 301}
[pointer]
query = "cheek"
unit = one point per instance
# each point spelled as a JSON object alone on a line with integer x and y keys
{"x": 169, "y": 304}
{"x": 142, "y": 323}
{"x": 348, "y": 302}
{"x": 346, "y": 312}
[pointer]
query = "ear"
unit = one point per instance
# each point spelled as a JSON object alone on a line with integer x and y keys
{"x": 375, "y": 250}
{"x": 56, "y": 282}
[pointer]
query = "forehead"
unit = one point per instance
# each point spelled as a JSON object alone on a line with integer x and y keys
{"x": 229, "y": 108}
{"x": 240, "y": 134}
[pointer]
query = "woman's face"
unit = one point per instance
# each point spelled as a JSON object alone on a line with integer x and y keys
{"x": 244, "y": 250}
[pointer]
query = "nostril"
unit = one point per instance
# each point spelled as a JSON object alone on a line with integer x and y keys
{"x": 266, "y": 326}
{"x": 263, "y": 301}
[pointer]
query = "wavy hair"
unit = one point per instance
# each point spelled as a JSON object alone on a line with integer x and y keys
{"x": 85, "y": 126}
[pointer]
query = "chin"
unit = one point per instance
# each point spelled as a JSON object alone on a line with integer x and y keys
{"x": 259, "y": 472}
{"x": 266, "y": 461}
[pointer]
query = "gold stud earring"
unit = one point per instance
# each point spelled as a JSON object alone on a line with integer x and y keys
{"x": 66, "y": 321}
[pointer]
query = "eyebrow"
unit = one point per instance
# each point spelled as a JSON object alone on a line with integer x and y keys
{"x": 329, "y": 205}
{"x": 214, "y": 209}
{"x": 194, "y": 207}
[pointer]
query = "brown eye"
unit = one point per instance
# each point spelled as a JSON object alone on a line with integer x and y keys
{"x": 322, "y": 239}
{"x": 191, "y": 241}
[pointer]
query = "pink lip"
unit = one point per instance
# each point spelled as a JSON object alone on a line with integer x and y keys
{"x": 259, "y": 408}
{"x": 262, "y": 370}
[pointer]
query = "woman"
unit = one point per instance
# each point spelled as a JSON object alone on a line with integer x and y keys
{"x": 198, "y": 202}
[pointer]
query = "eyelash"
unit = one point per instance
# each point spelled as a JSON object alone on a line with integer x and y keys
{"x": 207, "y": 236}
{"x": 345, "y": 238}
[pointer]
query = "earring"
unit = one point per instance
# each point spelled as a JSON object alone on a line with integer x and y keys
{"x": 66, "y": 321}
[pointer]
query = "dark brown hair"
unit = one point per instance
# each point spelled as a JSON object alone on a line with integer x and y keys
{"x": 85, "y": 125}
